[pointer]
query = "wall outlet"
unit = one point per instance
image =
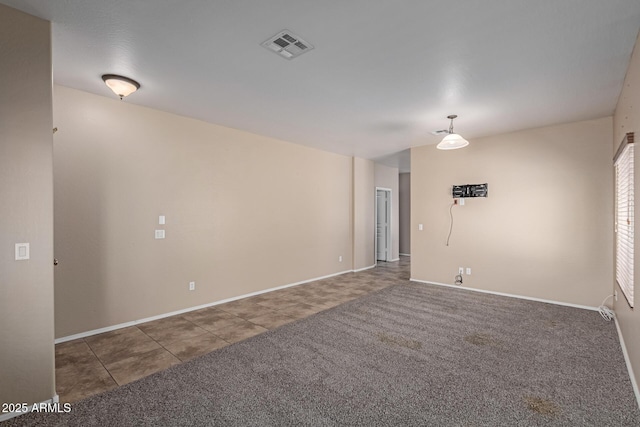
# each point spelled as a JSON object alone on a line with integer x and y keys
{"x": 340, "y": 258}
{"x": 192, "y": 286}
{"x": 461, "y": 202}
{"x": 460, "y": 270}
{"x": 420, "y": 227}
{"x": 468, "y": 271}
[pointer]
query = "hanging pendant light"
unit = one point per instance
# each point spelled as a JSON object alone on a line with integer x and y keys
{"x": 452, "y": 140}
{"x": 121, "y": 86}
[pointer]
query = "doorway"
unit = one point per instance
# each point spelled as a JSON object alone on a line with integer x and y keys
{"x": 383, "y": 224}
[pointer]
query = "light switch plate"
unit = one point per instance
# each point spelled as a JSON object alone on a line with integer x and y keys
{"x": 420, "y": 227}
{"x": 161, "y": 220}
{"x": 22, "y": 251}
{"x": 159, "y": 234}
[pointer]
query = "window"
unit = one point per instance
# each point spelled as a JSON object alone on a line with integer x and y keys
{"x": 624, "y": 216}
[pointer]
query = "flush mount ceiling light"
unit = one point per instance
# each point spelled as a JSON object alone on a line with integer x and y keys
{"x": 121, "y": 86}
{"x": 452, "y": 140}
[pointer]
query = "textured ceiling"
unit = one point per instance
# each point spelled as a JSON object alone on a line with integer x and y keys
{"x": 383, "y": 74}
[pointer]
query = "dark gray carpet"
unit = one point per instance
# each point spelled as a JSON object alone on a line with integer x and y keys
{"x": 410, "y": 354}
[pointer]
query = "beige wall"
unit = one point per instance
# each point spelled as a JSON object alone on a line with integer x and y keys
{"x": 545, "y": 231}
{"x": 388, "y": 177}
{"x": 244, "y": 213}
{"x": 627, "y": 119}
{"x": 26, "y": 209}
{"x": 405, "y": 213}
{"x": 363, "y": 213}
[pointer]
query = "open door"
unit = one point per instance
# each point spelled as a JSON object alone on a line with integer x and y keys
{"x": 383, "y": 224}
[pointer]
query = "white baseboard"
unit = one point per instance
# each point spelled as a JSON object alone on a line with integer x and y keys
{"x": 9, "y": 415}
{"x": 566, "y": 304}
{"x": 405, "y": 254}
{"x": 365, "y": 268}
{"x": 395, "y": 260}
{"x": 627, "y": 361}
{"x": 198, "y": 307}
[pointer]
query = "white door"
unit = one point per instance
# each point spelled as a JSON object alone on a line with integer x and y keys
{"x": 382, "y": 224}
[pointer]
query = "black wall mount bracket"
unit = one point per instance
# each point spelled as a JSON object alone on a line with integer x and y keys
{"x": 470, "y": 190}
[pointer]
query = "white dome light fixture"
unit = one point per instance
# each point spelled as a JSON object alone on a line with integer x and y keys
{"x": 452, "y": 141}
{"x": 121, "y": 86}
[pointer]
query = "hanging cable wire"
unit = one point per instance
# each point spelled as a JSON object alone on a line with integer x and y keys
{"x": 451, "y": 223}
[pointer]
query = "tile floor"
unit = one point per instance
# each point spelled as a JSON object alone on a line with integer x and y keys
{"x": 98, "y": 363}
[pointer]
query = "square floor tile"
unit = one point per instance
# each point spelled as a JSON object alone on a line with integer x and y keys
{"x": 135, "y": 367}
{"x": 246, "y": 311}
{"x": 76, "y": 352}
{"x": 121, "y": 344}
{"x": 216, "y": 324}
{"x": 195, "y": 346}
{"x": 168, "y": 332}
{"x": 272, "y": 320}
{"x": 300, "y": 311}
{"x": 79, "y": 373}
{"x": 207, "y": 314}
{"x": 77, "y": 382}
{"x": 240, "y": 332}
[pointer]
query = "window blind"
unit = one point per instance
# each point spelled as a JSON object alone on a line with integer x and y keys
{"x": 624, "y": 217}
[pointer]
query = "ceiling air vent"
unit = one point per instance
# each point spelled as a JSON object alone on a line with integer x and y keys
{"x": 287, "y": 44}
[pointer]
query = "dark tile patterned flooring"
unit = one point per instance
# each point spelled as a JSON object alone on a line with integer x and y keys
{"x": 98, "y": 363}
